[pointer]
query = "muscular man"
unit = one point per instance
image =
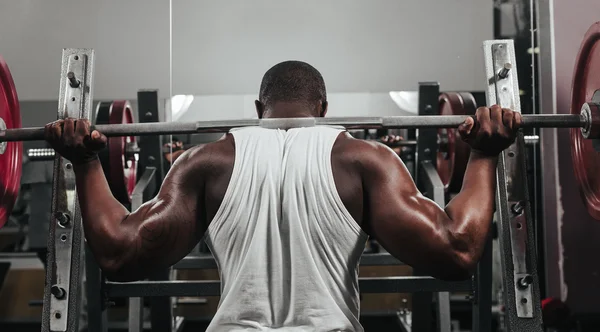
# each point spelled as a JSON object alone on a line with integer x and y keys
{"x": 286, "y": 213}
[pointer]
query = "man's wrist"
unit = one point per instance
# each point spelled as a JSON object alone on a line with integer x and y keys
{"x": 85, "y": 164}
{"x": 477, "y": 154}
{"x": 484, "y": 154}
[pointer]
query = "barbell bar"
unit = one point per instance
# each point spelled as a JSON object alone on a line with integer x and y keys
{"x": 390, "y": 122}
{"x": 46, "y": 154}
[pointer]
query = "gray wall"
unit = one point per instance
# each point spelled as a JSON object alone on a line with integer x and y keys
{"x": 131, "y": 40}
{"x": 224, "y": 47}
{"x": 359, "y": 46}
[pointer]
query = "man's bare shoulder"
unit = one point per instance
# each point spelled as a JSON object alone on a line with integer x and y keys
{"x": 361, "y": 152}
{"x": 212, "y": 157}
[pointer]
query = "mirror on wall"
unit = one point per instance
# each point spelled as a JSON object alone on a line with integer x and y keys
{"x": 372, "y": 55}
{"x": 367, "y": 52}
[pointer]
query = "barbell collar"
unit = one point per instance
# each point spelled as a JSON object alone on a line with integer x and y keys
{"x": 590, "y": 112}
{"x": 390, "y": 122}
{"x": 2, "y": 129}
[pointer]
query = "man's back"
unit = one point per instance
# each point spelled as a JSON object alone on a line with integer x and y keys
{"x": 287, "y": 247}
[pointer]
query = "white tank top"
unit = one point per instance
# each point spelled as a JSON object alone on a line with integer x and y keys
{"x": 286, "y": 246}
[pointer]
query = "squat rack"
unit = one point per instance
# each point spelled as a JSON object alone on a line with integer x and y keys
{"x": 162, "y": 289}
{"x": 62, "y": 296}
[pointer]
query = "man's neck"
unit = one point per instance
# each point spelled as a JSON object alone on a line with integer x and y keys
{"x": 284, "y": 114}
{"x": 289, "y": 110}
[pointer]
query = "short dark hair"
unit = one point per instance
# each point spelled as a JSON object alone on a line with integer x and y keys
{"x": 292, "y": 81}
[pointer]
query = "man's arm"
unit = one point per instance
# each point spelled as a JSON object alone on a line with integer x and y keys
{"x": 128, "y": 245}
{"x": 443, "y": 243}
{"x": 446, "y": 243}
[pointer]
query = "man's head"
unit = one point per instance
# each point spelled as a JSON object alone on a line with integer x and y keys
{"x": 292, "y": 89}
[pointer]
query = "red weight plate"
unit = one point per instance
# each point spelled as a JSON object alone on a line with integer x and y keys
{"x": 10, "y": 161}
{"x": 119, "y": 166}
{"x": 586, "y": 81}
{"x": 453, "y": 153}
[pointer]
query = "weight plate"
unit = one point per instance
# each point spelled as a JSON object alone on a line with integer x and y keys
{"x": 453, "y": 152}
{"x": 119, "y": 166}
{"x": 586, "y": 81}
{"x": 10, "y": 160}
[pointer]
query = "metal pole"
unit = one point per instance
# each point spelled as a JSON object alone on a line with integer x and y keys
{"x": 62, "y": 294}
{"x": 434, "y": 189}
{"x": 140, "y": 192}
{"x": 429, "y": 185}
{"x": 389, "y": 122}
{"x": 516, "y": 233}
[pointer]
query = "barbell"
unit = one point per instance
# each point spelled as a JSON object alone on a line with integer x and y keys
{"x": 118, "y": 126}
{"x": 583, "y": 121}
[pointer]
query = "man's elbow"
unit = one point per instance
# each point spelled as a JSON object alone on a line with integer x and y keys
{"x": 119, "y": 270}
{"x": 462, "y": 257}
{"x": 462, "y": 268}
{"x": 450, "y": 268}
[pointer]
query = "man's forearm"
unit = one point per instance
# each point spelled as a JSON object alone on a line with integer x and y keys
{"x": 102, "y": 214}
{"x": 472, "y": 210}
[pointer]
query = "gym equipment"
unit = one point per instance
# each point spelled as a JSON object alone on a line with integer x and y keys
{"x": 10, "y": 153}
{"x": 523, "y": 309}
{"x": 389, "y": 122}
{"x": 516, "y": 231}
{"x": 119, "y": 158}
{"x": 586, "y": 153}
{"x": 557, "y": 315}
{"x": 62, "y": 296}
{"x": 453, "y": 152}
{"x": 115, "y": 120}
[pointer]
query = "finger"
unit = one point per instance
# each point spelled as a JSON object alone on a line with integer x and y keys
{"x": 82, "y": 128}
{"x": 507, "y": 118}
{"x": 49, "y": 132}
{"x": 517, "y": 120}
{"x": 466, "y": 128}
{"x": 483, "y": 117}
{"x": 57, "y": 127}
{"x": 496, "y": 116}
{"x": 69, "y": 129}
{"x": 96, "y": 141}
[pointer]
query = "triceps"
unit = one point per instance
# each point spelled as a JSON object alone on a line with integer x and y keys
{"x": 167, "y": 231}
